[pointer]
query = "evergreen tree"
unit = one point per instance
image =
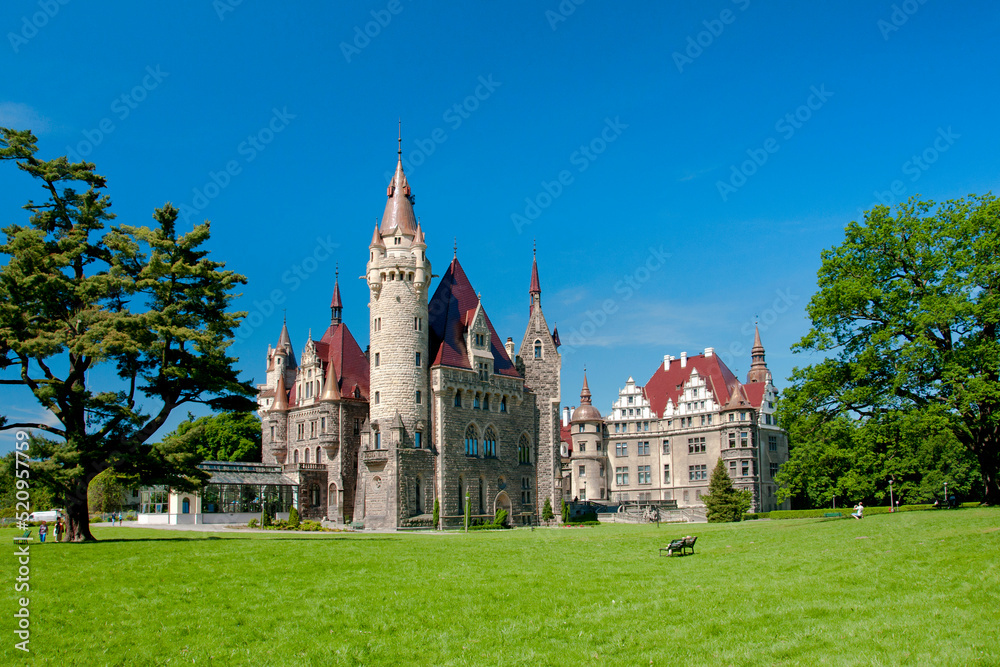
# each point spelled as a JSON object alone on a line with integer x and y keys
{"x": 146, "y": 304}
{"x": 293, "y": 517}
{"x": 547, "y": 514}
{"x": 565, "y": 512}
{"x": 437, "y": 514}
{"x": 725, "y": 503}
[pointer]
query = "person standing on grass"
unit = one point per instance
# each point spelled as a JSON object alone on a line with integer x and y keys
{"x": 43, "y": 531}
{"x": 859, "y": 510}
{"x": 55, "y": 531}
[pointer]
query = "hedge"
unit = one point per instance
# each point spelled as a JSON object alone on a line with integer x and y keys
{"x": 846, "y": 511}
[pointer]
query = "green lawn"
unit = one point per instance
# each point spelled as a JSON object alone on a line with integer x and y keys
{"x": 915, "y": 588}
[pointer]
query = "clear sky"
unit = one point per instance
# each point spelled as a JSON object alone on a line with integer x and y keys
{"x": 681, "y": 166}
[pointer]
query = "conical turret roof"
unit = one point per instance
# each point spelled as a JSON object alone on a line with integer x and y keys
{"x": 280, "y": 397}
{"x": 399, "y": 205}
{"x": 331, "y": 392}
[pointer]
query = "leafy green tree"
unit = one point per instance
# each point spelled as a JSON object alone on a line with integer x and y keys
{"x": 906, "y": 316}
{"x": 725, "y": 503}
{"x": 855, "y": 459}
{"x": 547, "y": 514}
{"x": 105, "y": 491}
{"x": 144, "y": 304}
{"x": 293, "y": 517}
{"x": 228, "y": 436}
{"x": 40, "y": 497}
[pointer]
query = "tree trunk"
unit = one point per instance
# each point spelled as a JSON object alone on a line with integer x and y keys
{"x": 78, "y": 513}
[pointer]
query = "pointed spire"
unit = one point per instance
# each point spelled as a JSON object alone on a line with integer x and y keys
{"x": 376, "y": 239}
{"x": 399, "y": 206}
{"x": 758, "y": 367}
{"x": 336, "y": 307}
{"x": 535, "y": 291}
{"x": 331, "y": 392}
{"x": 285, "y": 346}
{"x": 280, "y": 403}
{"x": 419, "y": 238}
{"x": 585, "y": 392}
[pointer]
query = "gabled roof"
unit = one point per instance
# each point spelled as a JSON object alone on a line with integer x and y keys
{"x": 755, "y": 393}
{"x": 664, "y": 383}
{"x": 338, "y": 345}
{"x": 452, "y": 309}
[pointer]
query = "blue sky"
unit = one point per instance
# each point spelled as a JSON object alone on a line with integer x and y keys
{"x": 680, "y": 166}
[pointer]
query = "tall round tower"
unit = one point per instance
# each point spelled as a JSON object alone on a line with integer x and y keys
{"x": 398, "y": 277}
{"x": 590, "y": 457}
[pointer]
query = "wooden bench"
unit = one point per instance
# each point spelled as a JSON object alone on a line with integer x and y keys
{"x": 833, "y": 514}
{"x": 23, "y": 538}
{"x": 680, "y": 545}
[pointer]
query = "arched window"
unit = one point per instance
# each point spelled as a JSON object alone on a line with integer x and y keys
{"x": 418, "y": 501}
{"x": 307, "y": 456}
{"x": 471, "y": 441}
{"x": 538, "y": 349}
{"x": 490, "y": 443}
{"x": 524, "y": 450}
{"x": 482, "y": 496}
{"x": 486, "y": 401}
{"x": 186, "y": 506}
{"x": 319, "y": 455}
{"x": 296, "y": 456}
{"x": 503, "y": 404}
{"x": 458, "y": 398}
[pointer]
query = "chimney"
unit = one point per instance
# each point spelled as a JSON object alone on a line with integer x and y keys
{"x": 666, "y": 362}
{"x": 684, "y": 359}
{"x": 510, "y": 347}
{"x": 709, "y": 351}
{"x": 565, "y": 419}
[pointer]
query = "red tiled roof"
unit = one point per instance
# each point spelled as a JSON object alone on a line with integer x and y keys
{"x": 755, "y": 393}
{"x": 451, "y": 310}
{"x": 664, "y": 384}
{"x": 351, "y": 363}
{"x": 565, "y": 436}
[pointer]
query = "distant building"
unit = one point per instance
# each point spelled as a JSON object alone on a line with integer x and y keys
{"x": 661, "y": 441}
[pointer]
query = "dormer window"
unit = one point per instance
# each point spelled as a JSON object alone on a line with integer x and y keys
{"x": 398, "y": 240}
{"x": 479, "y": 340}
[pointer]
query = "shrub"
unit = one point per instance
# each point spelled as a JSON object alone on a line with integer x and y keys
{"x": 252, "y": 524}
{"x": 547, "y": 514}
{"x": 436, "y": 520}
{"x": 565, "y": 512}
{"x": 724, "y": 502}
{"x": 293, "y": 517}
{"x": 501, "y": 517}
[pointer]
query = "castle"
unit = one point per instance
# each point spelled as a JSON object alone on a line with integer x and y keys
{"x": 439, "y": 410}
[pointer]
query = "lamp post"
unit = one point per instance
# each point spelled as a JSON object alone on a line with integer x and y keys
{"x": 891, "y": 505}
{"x": 946, "y": 493}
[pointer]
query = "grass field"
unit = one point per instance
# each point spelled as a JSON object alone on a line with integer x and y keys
{"x": 916, "y": 588}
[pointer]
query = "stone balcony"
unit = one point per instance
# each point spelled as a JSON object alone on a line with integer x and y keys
{"x": 375, "y": 457}
{"x": 295, "y": 467}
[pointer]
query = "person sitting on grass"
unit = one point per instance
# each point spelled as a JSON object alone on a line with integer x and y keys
{"x": 859, "y": 510}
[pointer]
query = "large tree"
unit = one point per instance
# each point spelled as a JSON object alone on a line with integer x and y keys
{"x": 228, "y": 436}
{"x": 144, "y": 308}
{"x": 906, "y": 320}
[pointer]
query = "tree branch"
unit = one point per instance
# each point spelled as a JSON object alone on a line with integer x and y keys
{"x": 42, "y": 427}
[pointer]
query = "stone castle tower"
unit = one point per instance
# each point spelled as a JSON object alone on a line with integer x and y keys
{"x": 590, "y": 464}
{"x": 542, "y": 363}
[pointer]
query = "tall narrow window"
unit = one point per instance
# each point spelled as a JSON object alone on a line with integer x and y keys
{"x": 471, "y": 441}
{"x": 418, "y": 397}
{"x": 490, "y": 443}
{"x": 458, "y": 398}
{"x": 378, "y": 440}
{"x": 524, "y": 450}
{"x": 418, "y": 359}
{"x": 503, "y": 404}
{"x": 418, "y": 439}
{"x": 376, "y": 358}
{"x": 538, "y": 349}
